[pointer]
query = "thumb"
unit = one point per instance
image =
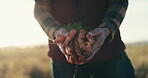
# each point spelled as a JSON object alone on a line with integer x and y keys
{"x": 63, "y": 32}
{"x": 94, "y": 32}
{"x": 60, "y": 32}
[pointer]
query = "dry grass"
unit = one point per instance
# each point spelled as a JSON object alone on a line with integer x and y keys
{"x": 30, "y": 62}
{"x": 33, "y": 62}
{"x": 139, "y": 57}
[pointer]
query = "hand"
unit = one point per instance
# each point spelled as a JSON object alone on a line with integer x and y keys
{"x": 100, "y": 34}
{"x": 60, "y": 36}
{"x": 63, "y": 40}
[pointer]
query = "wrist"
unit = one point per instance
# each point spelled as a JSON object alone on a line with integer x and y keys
{"x": 106, "y": 31}
{"x": 55, "y": 34}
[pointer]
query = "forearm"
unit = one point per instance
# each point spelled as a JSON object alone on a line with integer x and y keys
{"x": 115, "y": 15}
{"x": 42, "y": 13}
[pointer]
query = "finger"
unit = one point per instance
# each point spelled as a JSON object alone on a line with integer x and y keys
{"x": 61, "y": 48}
{"x": 60, "y": 39}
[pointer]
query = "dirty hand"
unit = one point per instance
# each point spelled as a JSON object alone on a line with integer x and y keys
{"x": 60, "y": 36}
{"x": 100, "y": 34}
{"x": 64, "y": 42}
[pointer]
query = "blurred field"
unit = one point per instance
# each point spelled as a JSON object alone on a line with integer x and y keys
{"x": 29, "y": 62}
{"x": 33, "y": 62}
{"x": 139, "y": 57}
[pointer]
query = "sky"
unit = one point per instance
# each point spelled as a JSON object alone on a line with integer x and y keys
{"x": 18, "y": 27}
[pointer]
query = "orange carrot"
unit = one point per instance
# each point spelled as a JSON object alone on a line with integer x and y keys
{"x": 72, "y": 60}
{"x": 60, "y": 39}
{"x": 81, "y": 37}
{"x": 78, "y": 52}
{"x": 76, "y": 47}
{"x": 87, "y": 52}
{"x": 82, "y": 34}
{"x": 69, "y": 38}
{"x": 90, "y": 39}
{"x": 69, "y": 49}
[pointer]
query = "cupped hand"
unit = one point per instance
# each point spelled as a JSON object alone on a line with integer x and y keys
{"x": 100, "y": 34}
{"x": 60, "y": 36}
{"x": 64, "y": 42}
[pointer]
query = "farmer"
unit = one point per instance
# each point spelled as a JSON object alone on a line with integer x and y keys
{"x": 104, "y": 17}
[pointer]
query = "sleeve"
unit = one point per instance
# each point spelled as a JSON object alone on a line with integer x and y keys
{"x": 42, "y": 13}
{"x": 114, "y": 15}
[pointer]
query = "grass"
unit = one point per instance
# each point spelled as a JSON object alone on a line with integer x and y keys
{"x": 30, "y": 62}
{"x": 139, "y": 57}
{"x": 33, "y": 62}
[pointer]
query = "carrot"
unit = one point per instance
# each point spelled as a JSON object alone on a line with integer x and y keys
{"x": 82, "y": 34}
{"x": 60, "y": 39}
{"x": 81, "y": 37}
{"x": 78, "y": 52}
{"x": 87, "y": 52}
{"x": 69, "y": 38}
{"x": 69, "y": 49}
{"x": 90, "y": 39}
{"x": 71, "y": 55}
{"x": 81, "y": 59}
{"x": 77, "y": 48}
{"x": 72, "y": 60}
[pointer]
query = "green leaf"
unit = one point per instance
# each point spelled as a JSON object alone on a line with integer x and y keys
{"x": 77, "y": 26}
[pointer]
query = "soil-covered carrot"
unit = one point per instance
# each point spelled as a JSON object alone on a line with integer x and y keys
{"x": 69, "y": 49}
{"x": 81, "y": 59}
{"x": 81, "y": 37}
{"x": 69, "y": 37}
{"x": 82, "y": 34}
{"x": 71, "y": 55}
{"x": 72, "y": 60}
{"x": 60, "y": 39}
{"x": 79, "y": 53}
{"x": 87, "y": 52}
{"x": 76, "y": 47}
{"x": 80, "y": 50}
{"x": 90, "y": 39}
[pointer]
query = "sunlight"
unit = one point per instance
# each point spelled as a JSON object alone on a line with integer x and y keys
{"x": 19, "y": 27}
